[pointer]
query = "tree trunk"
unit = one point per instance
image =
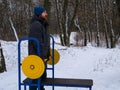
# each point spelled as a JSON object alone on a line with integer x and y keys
{"x": 85, "y": 38}
{"x": 104, "y": 20}
{"x": 97, "y": 25}
{"x": 118, "y": 6}
{"x": 2, "y": 61}
{"x": 112, "y": 35}
{"x": 47, "y": 5}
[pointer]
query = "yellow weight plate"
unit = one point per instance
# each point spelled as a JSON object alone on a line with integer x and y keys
{"x": 56, "y": 57}
{"x": 33, "y": 66}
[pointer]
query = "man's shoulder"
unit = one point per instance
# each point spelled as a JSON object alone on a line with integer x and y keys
{"x": 36, "y": 24}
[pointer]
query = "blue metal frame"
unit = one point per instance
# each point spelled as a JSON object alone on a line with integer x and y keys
{"x": 19, "y": 61}
{"x": 52, "y": 61}
{"x": 38, "y": 51}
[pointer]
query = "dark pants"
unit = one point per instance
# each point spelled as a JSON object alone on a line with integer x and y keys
{"x": 35, "y": 81}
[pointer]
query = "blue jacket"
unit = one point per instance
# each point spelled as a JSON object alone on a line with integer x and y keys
{"x": 38, "y": 29}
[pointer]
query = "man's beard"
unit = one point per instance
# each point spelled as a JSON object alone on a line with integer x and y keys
{"x": 45, "y": 17}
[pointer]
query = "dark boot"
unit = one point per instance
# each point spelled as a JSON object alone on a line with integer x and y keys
{"x": 42, "y": 88}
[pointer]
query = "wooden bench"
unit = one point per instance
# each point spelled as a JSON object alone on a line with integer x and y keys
{"x": 86, "y": 83}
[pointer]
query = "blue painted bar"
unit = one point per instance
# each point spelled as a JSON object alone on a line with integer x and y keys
{"x": 49, "y": 68}
{"x": 24, "y": 86}
{"x": 52, "y": 60}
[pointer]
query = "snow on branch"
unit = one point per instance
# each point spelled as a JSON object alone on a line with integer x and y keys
{"x": 15, "y": 33}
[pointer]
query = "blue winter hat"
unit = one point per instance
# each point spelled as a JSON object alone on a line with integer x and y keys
{"x": 38, "y": 10}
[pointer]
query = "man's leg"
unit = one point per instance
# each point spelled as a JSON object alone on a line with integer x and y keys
{"x": 35, "y": 81}
{"x": 33, "y": 87}
{"x": 42, "y": 88}
{"x": 43, "y": 77}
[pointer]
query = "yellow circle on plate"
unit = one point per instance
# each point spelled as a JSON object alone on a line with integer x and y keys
{"x": 33, "y": 66}
{"x": 56, "y": 57}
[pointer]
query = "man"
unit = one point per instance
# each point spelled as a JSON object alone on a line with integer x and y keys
{"x": 38, "y": 29}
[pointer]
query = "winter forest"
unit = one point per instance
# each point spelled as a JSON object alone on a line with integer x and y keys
{"x": 94, "y": 21}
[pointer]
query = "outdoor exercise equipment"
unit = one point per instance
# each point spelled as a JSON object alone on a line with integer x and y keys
{"x": 56, "y": 57}
{"x": 35, "y": 68}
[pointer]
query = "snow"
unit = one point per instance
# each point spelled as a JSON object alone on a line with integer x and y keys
{"x": 100, "y": 64}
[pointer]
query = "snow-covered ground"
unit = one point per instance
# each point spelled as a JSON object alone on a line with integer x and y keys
{"x": 100, "y": 64}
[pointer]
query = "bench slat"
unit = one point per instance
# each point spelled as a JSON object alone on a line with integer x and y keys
{"x": 66, "y": 82}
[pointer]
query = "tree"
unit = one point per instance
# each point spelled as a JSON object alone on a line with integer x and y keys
{"x": 97, "y": 23}
{"x": 112, "y": 34}
{"x": 2, "y": 61}
{"x": 118, "y": 6}
{"x": 66, "y": 12}
{"x": 105, "y": 24}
